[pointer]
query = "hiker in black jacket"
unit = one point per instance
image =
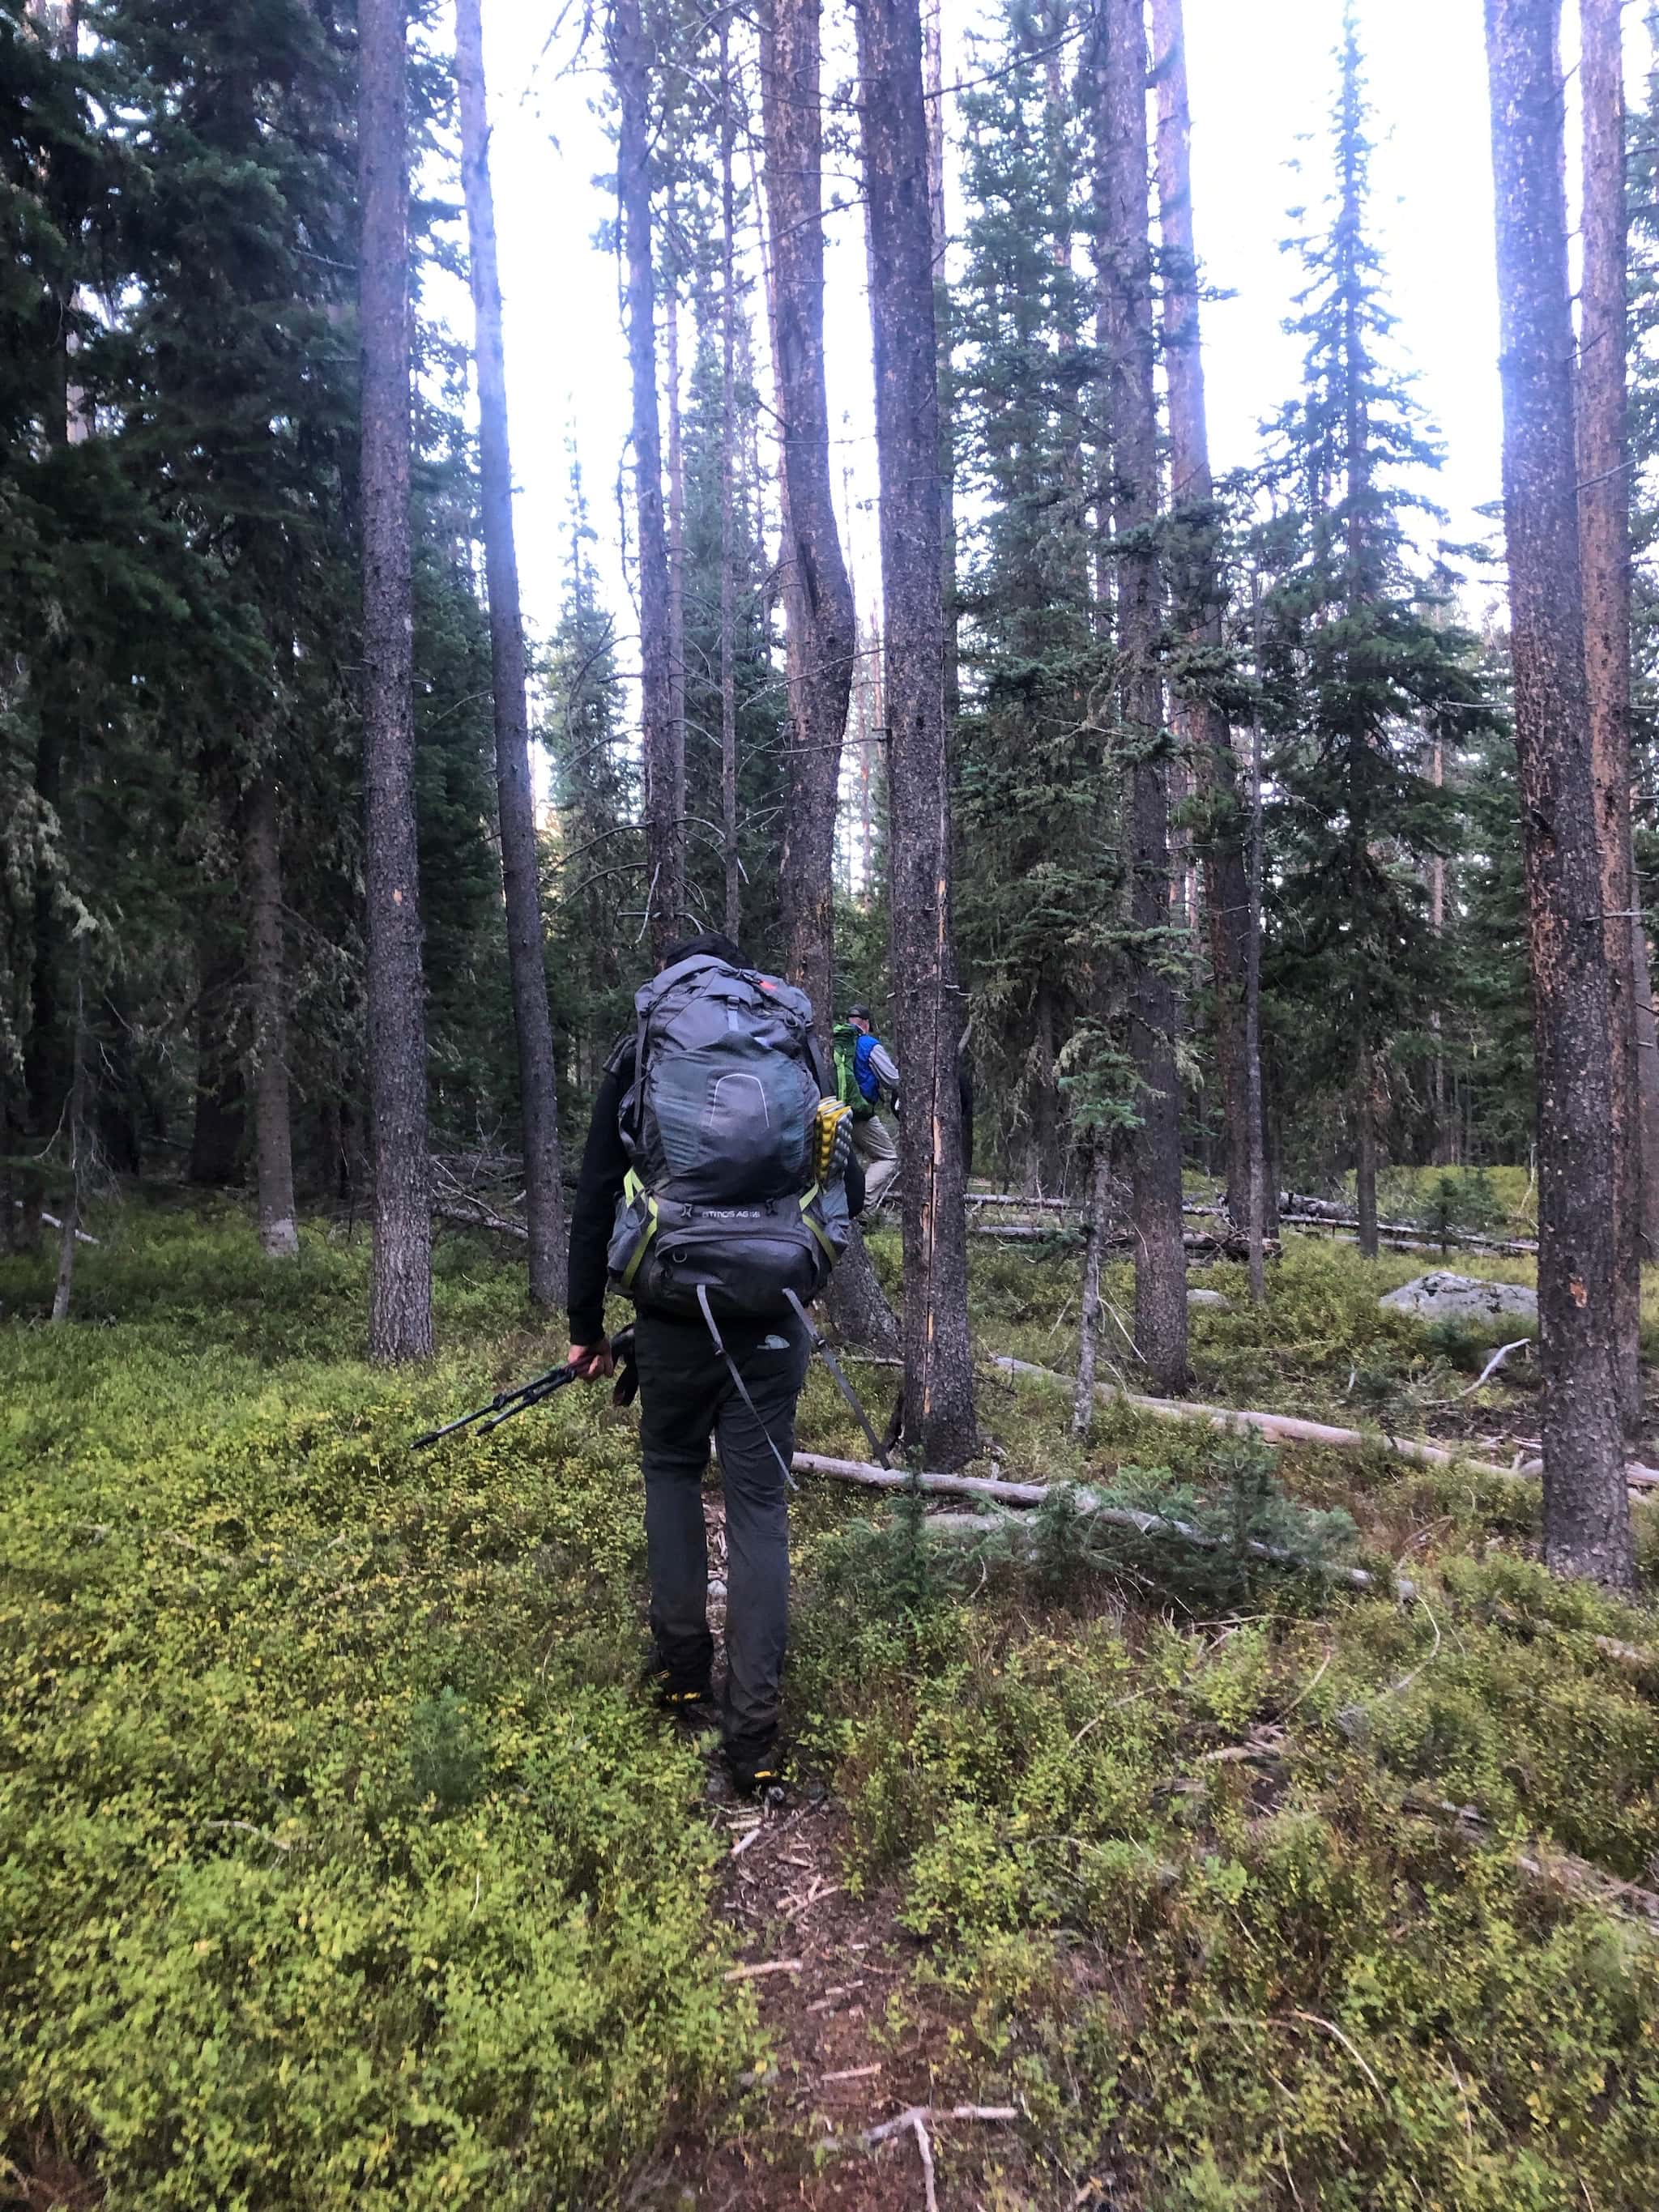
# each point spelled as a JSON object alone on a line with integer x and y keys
{"x": 688, "y": 1392}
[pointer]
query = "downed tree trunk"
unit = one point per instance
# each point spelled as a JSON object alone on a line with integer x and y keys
{"x": 1225, "y": 1245}
{"x": 1090, "y": 1506}
{"x": 1289, "y": 1429}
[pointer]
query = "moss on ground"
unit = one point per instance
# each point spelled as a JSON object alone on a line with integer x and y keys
{"x": 341, "y": 1863}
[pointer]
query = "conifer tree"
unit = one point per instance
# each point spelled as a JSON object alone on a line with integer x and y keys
{"x": 400, "y": 1322}
{"x": 1587, "y": 1524}
{"x": 538, "y": 1097}
{"x": 1366, "y": 662}
{"x": 1124, "y": 264}
{"x": 937, "y": 1353}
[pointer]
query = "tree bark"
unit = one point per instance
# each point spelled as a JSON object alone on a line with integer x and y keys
{"x": 938, "y": 1351}
{"x": 1198, "y": 593}
{"x": 728, "y": 558}
{"x": 1364, "y": 1174}
{"x": 515, "y": 797}
{"x": 1124, "y": 248}
{"x": 273, "y": 1137}
{"x": 79, "y": 1120}
{"x": 932, "y": 57}
{"x": 1604, "y": 543}
{"x": 400, "y": 1308}
{"x": 663, "y": 745}
{"x": 679, "y": 720}
{"x": 1587, "y": 1526}
{"x": 218, "y": 1125}
{"x": 822, "y": 642}
{"x": 1256, "y": 1213}
{"x": 1088, "y": 1345}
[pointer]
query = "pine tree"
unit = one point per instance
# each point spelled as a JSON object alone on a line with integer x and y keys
{"x": 538, "y": 1096}
{"x": 1037, "y": 878}
{"x": 400, "y": 1322}
{"x": 937, "y": 1353}
{"x": 1587, "y": 1525}
{"x": 1365, "y": 662}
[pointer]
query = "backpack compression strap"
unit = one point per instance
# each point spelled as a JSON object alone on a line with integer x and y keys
{"x": 741, "y": 1386}
{"x": 841, "y": 1380}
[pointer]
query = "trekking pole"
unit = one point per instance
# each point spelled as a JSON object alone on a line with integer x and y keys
{"x": 502, "y": 1406}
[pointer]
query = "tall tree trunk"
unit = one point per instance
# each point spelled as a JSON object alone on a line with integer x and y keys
{"x": 526, "y": 957}
{"x": 1088, "y": 1342}
{"x": 677, "y": 575}
{"x": 1365, "y": 1170}
{"x": 728, "y": 556}
{"x": 1604, "y": 540}
{"x": 218, "y": 1125}
{"x": 400, "y": 1308}
{"x": 1198, "y": 589}
{"x": 1445, "y": 1134}
{"x": 932, "y": 57}
{"x": 663, "y": 746}
{"x": 938, "y": 1351}
{"x": 1126, "y": 275}
{"x": 822, "y": 639}
{"x": 1256, "y": 1211}
{"x": 273, "y": 1137}
{"x": 79, "y": 1132}
{"x": 1587, "y": 1526}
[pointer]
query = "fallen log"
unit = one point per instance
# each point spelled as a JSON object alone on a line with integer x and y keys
{"x": 1288, "y": 1428}
{"x": 1201, "y": 1243}
{"x": 1398, "y": 1235}
{"x": 1090, "y": 1504}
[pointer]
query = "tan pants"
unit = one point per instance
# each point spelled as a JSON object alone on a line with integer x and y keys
{"x": 877, "y": 1146}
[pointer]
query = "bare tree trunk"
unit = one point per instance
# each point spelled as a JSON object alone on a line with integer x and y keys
{"x": 218, "y": 1124}
{"x": 273, "y": 1137}
{"x": 932, "y": 57}
{"x": 1587, "y": 1526}
{"x": 1124, "y": 248}
{"x": 1604, "y": 542}
{"x": 1087, "y": 1343}
{"x": 1445, "y": 1144}
{"x": 823, "y": 640}
{"x": 1256, "y": 1221}
{"x": 400, "y": 1306}
{"x": 676, "y": 573}
{"x": 515, "y": 794}
{"x": 728, "y": 576}
{"x": 1647, "y": 1082}
{"x": 1198, "y": 590}
{"x": 1365, "y": 1177}
{"x": 68, "y": 1234}
{"x": 938, "y": 1351}
{"x": 664, "y": 744}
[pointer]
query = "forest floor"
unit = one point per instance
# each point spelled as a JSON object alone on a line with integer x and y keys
{"x": 342, "y": 1861}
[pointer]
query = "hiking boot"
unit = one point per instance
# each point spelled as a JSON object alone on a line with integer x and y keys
{"x": 688, "y": 1701}
{"x": 758, "y": 1774}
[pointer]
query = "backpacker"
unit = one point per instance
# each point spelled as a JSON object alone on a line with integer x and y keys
{"x": 855, "y": 1079}
{"x": 718, "y": 1125}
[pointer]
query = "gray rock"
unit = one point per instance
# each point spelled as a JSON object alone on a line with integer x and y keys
{"x": 1444, "y": 1297}
{"x": 1211, "y": 1298}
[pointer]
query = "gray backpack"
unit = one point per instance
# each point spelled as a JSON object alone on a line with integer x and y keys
{"x": 720, "y": 1211}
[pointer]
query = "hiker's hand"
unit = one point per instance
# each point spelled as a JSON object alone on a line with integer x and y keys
{"x": 593, "y": 1361}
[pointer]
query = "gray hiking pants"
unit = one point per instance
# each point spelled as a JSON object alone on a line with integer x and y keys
{"x": 686, "y": 1395}
{"x": 877, "y": 1148}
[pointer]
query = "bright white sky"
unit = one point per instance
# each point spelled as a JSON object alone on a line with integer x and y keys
{"x": 1262, "y": 78}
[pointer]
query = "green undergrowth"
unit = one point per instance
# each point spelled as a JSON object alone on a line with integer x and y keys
{"x": 339, "y": 1861}
{"x": 342, "y": 1862}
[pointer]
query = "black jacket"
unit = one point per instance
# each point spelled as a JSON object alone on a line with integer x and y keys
{"x": 598, "y": 1189}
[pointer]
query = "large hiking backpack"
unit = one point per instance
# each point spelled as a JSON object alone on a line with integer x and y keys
{"x": 719, "y": 1127}
{"x": 855, "y": 1079}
